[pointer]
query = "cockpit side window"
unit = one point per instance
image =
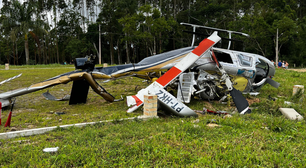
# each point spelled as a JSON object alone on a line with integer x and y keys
{"x": 224, "y": 57}
{"x": 245, "y": 60}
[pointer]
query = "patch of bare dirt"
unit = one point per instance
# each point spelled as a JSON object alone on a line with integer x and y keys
{"x": 253, "y": 100}
{"x": 298, "y": 70}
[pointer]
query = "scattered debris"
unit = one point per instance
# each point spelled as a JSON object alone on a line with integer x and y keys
{"x": 212, "y": 121}
{"x": 212, "y": 125}
{"x": 252, "y": 93}
{"x": 196, "y": 126}
{"x": 196, "y": 121}
{"x": 51, "y": 150}
{"x": 206, "y": 111}
{"x": 288, "y": 103}
{"x": 291, "y": 114}
{"x": 60, "y": 113}
{"x": 271, "y": 98}
{"x": 227, "y": 116}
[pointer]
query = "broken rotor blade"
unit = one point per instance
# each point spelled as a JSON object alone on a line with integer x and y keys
{"x": 137, "y": 100}
{"x": 240, "y": 101}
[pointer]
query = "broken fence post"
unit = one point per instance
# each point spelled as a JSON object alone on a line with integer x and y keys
{"x": 150, "y": 105}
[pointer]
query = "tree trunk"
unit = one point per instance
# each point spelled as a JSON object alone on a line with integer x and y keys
{"x": 44, "y": 52}
{"x": 276, "y": 48}
{"x": 118, "y": 49}
{"x": 17, "y": 53}
{"x": 35, "y": 51}
{"x": 39, "y": 53}
{"x": 154, "y": 47}
{"x": 14, "y": 53}
{"x": 26, "y": 46}
{"x": 160, "y": 43}
{"x": 8, "y": 56}
{"x": 47, "y": 50}
{"x": 57, "y": 54}
{"x": 127, "y": 52}
{"x": 112, "y": 50}
{"x": 173, "y": 44}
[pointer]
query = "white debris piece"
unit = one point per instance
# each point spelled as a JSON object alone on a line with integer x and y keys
{"x": 291, "y": 114}
{"x": 51, "y": 149}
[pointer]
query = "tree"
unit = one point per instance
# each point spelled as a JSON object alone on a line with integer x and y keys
{"x": 78, "y": 48}
{"x": 20, "y": 16}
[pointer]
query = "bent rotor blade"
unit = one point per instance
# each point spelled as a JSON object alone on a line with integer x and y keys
{"x": 14, "y": 77}
{"x": 240, "y": 101}
{"x": 137, "y": 100}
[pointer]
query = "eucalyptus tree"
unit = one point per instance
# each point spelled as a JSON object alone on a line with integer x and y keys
{"x": 111, "y": 12}
{"x": 21, "y": 15}
{"x": 69, "y": 29}
{"x": 10, "y": 33}
{"x": 14, "y": 37}
{"x": 145, "y": 27}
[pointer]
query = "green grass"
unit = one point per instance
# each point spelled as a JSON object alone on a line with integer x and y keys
{"x": 264, "y": 138}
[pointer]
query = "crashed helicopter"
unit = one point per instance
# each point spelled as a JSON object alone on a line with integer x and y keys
{"x": 203, "y": 71}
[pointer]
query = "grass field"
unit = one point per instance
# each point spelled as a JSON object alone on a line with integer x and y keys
{"x": 264, "y": 138}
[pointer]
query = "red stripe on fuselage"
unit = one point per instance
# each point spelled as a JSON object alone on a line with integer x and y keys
{"x": 168, "y": 76}
{"x": 203, "y": 46}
